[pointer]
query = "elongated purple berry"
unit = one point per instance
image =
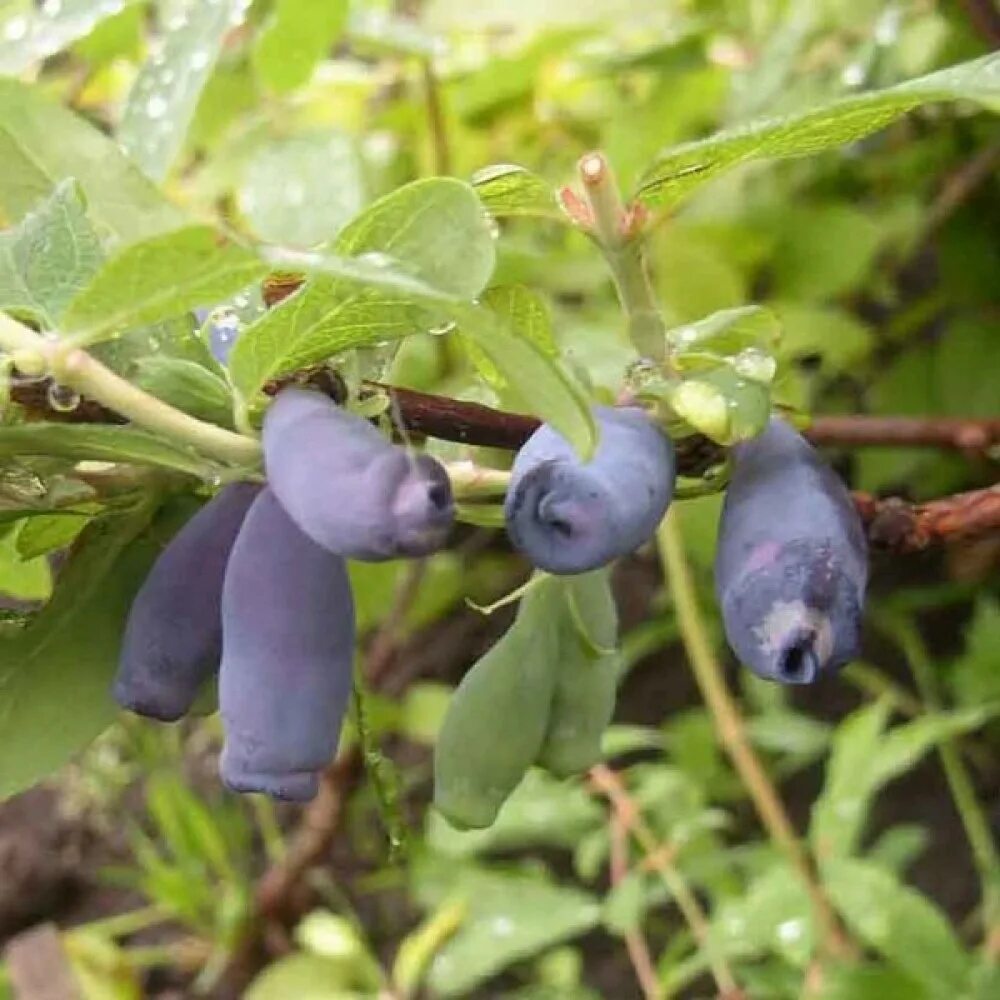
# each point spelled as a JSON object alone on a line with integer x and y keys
{"x": 348, "y": 488}
{"x": 792, "y": 562}
{"x": 287, "y": 652}
{"x": 567, "y": 516}
{"x": 173, "y": 637}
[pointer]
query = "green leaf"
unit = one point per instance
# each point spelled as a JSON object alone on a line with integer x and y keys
{"x": 98, "y": 442}
{"x": 525, "y": 312}
{"x": 509, "y": 918}
{"x": 725, "y": 335}
{"x": 303, "y": 190}
{"x": 164, "y": 96}
{"x": 900, "y": 923}
{"x": 839, "y": 812}
{"x": 432, "y": 232}
{"x": 49, "y": 532}
{"x": 974, "y": 676}
{"x": 188, "y": 386}
{"x": 41, "y": 144}
{"x": 28, "y": 37}
{"x": 772, "y": 915}
{"x": 24, "y": 578}
{"x": 838, "y": 338}
{"x": 297, "y": 35}
{"x": 541, "y": 811}
{"x": 305, "y": 977}
{"x": 537, "y": 383}
{"x": 48, "y": 257}
{"x": 825, "y": 251}
{"x": 54, "y": 689}
{"x": 678, "y": 171}
{"x": 159, "y": 278}
{"x": 869, "y": 982}
{"x": 508, "y": 190}
{"x": 722, "y": 403}
{"x": 864, "y": 758}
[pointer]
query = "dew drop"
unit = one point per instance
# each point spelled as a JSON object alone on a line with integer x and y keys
{"x": 375, "y": 259}
{"x": 493, "y": 226}
{"x": 442, "y": 329}
{"x": 156, "y": 106}
{"x": 853, "y": 75}
{"x": 63, "y": 399}
{"x": 52, "y": 8}
{"x": 199, "y": 59}
{"x": 15, "y": 29}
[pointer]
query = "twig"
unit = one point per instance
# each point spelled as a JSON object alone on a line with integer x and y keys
{"x": 905, "y": 527}
{"x": 892, "y": 523}
{"x": 635, "y": 942}
{"x": 961, "y": 183}
{"x": 659, "y": 858}
{"x": 985, "y": 19}
{"x": 732, "y": 734}
{"x": 961, "y": 433}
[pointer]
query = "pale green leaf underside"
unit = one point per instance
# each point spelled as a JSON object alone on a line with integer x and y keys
{"x": 163, "y": 99}
{"x": 434, "y": 231}
{"x": 27, "y": 37}
{"x": 41, "y": 144}
{"x": 509, "y": 190}
{"x": 676, "y": 172}
{"x": 533, "y": 378}
{"x": 159, "y": 278}
{"x": 48, "y": 257}
{"x": 99, "y": 443}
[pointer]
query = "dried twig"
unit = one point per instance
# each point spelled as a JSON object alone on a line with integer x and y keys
{"x": 659, "y": 858}
{"x": 635, "y": 942}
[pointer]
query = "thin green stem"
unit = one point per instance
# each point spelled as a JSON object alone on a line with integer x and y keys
{"x": 88, "y": 376}
{"x": 977, "y": 827}
{"x": 470, "y": 481}
{"x": 732, "y": 732}
{"x": 623, "y": 250}
{"x": 74, "y": 367}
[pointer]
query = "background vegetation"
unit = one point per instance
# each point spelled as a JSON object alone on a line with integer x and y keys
{"x": 741, "y": 840}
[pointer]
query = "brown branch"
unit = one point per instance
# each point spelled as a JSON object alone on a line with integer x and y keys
{"x": 985, "y": 18}
{"x": 968, "y": 434}
{"x": 892, "y": 523}
{"x": 906, "y": 527}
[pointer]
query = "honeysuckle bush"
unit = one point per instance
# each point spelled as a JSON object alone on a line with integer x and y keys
{"x": 163, "y": 159}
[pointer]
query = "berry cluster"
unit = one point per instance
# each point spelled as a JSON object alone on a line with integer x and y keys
{"x": 255, "y": 586}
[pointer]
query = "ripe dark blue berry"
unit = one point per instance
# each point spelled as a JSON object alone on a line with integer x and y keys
{"x": 173, "y": 637}
{"x": 348, "y": 488}
{"x": 287, "y": 654}
{"x": 567, "y": 516}
{"x": 792, "y": 564}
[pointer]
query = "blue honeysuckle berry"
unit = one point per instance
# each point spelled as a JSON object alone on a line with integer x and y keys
{"x": 348, "y": 488}
{"x": 792, "y": 564}
{"x": 173, "y": 636}
{"x": 287, "y": 656}
{"x": 569, "y": 516}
